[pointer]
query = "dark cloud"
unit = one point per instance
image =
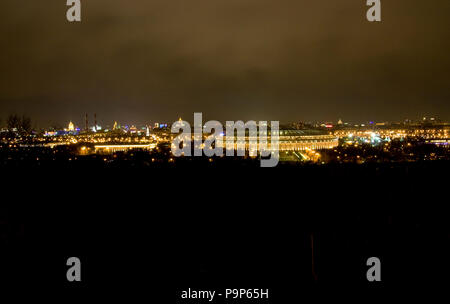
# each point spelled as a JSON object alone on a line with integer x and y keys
{"x": 288, "y": 60}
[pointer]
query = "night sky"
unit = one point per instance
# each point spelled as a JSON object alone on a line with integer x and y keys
{"x": 289, "y": 60}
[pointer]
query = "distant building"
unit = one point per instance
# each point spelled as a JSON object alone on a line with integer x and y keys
{"x": 297, "y": 140}
{"x": 71, "y": 126}
{"x": 160, "y": 125}
{"x": 133, "y": 130}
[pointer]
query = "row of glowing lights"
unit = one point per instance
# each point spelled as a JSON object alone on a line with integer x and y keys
{"x": 394, "y": 133}
{"x": 75, "y": 140}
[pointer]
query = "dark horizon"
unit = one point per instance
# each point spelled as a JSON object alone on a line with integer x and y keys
{"x": 230, "y": 60}
{"x": 80, "y": 122}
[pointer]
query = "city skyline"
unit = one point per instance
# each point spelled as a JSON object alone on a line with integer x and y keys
{"x": 80, "y": 123}
{"x": 228, "y": 151}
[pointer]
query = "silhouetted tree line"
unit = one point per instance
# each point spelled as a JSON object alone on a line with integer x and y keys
{"x": 22, "y": 125}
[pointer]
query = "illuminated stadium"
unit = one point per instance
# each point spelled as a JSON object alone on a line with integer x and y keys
{"x": 298, "y": 140}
